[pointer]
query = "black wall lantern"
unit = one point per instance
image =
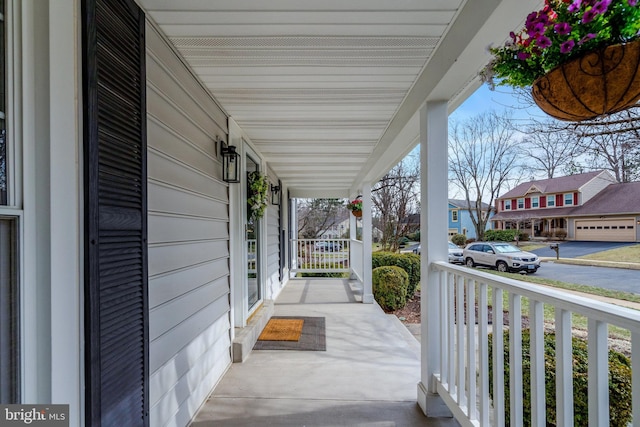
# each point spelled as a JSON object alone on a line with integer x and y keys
{"x": 230, "y": 164}
{"x": 275, "y": 194}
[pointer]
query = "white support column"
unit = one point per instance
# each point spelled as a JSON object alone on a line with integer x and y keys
{"x": 433, "y": 231}
{"x": 367, "y": 243}
{"x": 353, "y": 225}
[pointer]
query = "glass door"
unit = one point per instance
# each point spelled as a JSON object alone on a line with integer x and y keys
{"x": 252, "y": 245}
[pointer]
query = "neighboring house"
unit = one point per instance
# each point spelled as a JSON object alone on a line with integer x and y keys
{"x": 588, "y": 206}
{"x": 460, "y": 217}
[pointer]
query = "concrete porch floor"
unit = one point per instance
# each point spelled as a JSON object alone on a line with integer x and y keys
{"x": 368, "y": 375}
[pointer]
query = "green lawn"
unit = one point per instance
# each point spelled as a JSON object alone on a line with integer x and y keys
{"x": 624, "y": 254}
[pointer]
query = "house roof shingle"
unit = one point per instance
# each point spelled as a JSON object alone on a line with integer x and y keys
{"x": 553, "y": 185}
{"x": 462, "y": 204}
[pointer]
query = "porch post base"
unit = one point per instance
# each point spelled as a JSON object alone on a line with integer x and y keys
{"x": 422, "y": 398}
{"x": 367, "y": 299}
{"x": 432, "y": 405}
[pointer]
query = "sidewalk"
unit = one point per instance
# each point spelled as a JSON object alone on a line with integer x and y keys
{"x": 368, "y": 375}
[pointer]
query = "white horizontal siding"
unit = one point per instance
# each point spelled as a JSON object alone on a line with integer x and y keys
{"x": 189, "y": 324}
{"x": 202, "y": 361}
{"x": 273, "y": 284}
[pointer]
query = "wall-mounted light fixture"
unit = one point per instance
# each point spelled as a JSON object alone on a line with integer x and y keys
{"x": 230, "y": 163}
{"x": 275, "y": 194}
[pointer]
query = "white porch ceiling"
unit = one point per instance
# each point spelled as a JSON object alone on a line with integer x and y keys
{"x": 328, "y": 90}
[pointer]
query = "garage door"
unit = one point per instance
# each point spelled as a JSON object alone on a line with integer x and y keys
{"x": 612, "y": 230}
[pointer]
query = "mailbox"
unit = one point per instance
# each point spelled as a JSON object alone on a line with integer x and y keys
{"x": 556, "y": 248}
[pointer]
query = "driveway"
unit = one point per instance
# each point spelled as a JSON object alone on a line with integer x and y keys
{"x": 602, "y": 277}
{"x": 577, "y": 249}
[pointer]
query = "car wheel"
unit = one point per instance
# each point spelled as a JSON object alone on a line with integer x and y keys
{"x": 470, "y": 263}
{"x": 502, "y": 267}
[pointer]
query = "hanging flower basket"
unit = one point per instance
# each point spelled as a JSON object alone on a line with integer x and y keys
{"x": 580, "y": 57}
{"x": 355, "y": 206}
{"x": 600, "y": 82}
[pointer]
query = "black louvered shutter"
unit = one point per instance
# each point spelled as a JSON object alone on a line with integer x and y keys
{"x": 116, "y": 308}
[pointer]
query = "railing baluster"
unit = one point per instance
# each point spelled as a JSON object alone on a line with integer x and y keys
{"x": 536, "y": 351}
{"x": 498, "y": 358}
{"x": 471, "y": 349}
{"x": 460, "y": 339}
{"x": 483, "y": 354}
{"x": 564, "y": 369}
{"x": 451, "y": 323}
{"x": 515, "y": 358}
{"x": 443, "y": 277}
{"x": 598, "y": 373}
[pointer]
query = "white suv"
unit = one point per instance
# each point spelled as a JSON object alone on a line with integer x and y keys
{"x": 500, "y": 255}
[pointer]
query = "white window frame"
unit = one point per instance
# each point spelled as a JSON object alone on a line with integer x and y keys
{"x": 551, "y": 201}
{"x": 564, "y": 198}
{"x": 520, "y": 203}
{"x": 454, "y": 215}
{"x": 507, "y": 205}
{"x": 535, "y": 202}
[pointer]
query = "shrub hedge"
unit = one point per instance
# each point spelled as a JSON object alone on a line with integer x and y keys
{"x": 459, "y": 239}
{"x": 389, "y": 285}
{"x": 505, "y": 235}
{"x": 619, "y": 381}
{"x": 409, "y": 262}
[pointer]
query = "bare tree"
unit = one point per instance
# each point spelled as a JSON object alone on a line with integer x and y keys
{"x": 394, "y": 199}
{"x": 551, "y": 150}
{"x": 612, "y": 143}
{"x": 483, "y": 159}
{"x": 317, "y": 216}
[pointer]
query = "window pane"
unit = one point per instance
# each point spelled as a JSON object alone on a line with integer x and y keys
{"x": 9, "y": 356}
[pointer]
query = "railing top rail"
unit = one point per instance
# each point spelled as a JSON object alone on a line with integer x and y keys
{"x": 609, "y": 313}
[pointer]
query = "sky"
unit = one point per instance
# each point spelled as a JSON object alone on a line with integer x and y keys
{"x": 500, "y": 99}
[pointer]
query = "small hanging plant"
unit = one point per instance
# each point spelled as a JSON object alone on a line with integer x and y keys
{"x": 355, "y": 206}
{"x": 257, "y": 189}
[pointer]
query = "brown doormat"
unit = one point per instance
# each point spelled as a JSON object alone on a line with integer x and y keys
{"x": 282, "y": 330}
{"x": 312, "y": 337}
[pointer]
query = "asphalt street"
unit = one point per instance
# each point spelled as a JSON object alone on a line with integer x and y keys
{"x": 609, "y": 278}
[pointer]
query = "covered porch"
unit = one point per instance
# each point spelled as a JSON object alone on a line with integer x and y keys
{"x": 321, "y": 98}
{"x": 366, "y": 376}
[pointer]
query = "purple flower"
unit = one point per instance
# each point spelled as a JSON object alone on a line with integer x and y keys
{"x": 567, "y": 46}
{"x": 543, "y": 42}
{"x": 586, "y": 38}
{"x": 537, "y": 29}
{"x": 573, "y": 7}
{"x": 523, "y": 56}
{"x": 632, "y": 3}
{"x": 562, "y": 28}
{"x": 588, "y": 16}
{"x": 601, "y": 6}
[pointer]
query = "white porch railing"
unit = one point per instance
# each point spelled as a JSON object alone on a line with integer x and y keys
{"x": 357, "y": 259}
{"x": 321, "y": 256}
{"x": 462, "y": 379}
